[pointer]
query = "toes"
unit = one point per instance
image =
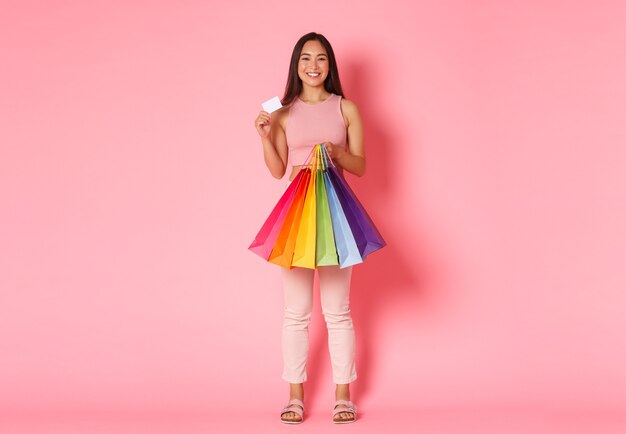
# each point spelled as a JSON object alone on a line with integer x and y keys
{"x": 344, "y": 415}
{"x": 291, "y": 416}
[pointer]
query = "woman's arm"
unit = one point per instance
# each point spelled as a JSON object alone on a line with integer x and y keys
{"x": 275, "y": 147}
{"x": 353, "y": 162}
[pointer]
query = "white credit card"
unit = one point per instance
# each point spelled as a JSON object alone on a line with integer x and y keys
{"x": 271, "y": 105}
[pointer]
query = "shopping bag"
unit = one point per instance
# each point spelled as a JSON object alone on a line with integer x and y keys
{"x": 318, "y": 221}
{"x": 345, "y": 243}
{"x": 326, "y": 252}
{"x": 367, "y": 237}
{"x": 282, "y": 253}
{"x": 264, "y": 241}
{"x": 304, "y": 251}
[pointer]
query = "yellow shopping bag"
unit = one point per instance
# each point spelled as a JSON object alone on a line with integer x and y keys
{"x": 304, "y": 252}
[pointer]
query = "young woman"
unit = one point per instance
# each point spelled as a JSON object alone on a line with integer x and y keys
{"x": 314, "y": 111}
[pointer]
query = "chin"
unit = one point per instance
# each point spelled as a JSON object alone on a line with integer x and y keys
{"x": 308, "y": 81}
{"x": 319, "y": 83}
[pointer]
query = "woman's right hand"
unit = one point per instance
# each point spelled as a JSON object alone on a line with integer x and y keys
{"x": 262, "y": 124}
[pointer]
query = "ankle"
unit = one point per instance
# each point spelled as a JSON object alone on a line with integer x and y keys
{"x": 342, "y": 392}
{"x": 296, "y": 391}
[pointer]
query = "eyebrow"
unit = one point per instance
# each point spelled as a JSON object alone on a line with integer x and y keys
{"x": 308, "y": 54}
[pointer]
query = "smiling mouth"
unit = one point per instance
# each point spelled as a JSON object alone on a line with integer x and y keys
{"x": 313, "y": 74}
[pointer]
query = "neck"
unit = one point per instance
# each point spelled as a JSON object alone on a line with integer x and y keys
{"x": 313, "y": 94}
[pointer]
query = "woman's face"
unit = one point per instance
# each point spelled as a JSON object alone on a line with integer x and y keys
{"x": 313, "y": 64}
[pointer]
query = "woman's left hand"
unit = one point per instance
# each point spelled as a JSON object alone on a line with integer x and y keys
{"x": 335, "y": 152}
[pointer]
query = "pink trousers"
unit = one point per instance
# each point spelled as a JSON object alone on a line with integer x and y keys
{"x": 335, "y": 297}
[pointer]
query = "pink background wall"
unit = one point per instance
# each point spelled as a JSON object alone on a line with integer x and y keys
{"x": 132, "y": 181}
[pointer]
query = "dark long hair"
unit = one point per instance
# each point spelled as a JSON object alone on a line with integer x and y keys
{"x": 294, "y": 83}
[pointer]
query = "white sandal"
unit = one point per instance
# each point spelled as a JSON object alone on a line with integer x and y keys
{"x": 299, "y": 411}
{"x": 351, "y": 409}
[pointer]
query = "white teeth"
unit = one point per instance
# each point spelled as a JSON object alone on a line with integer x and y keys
{"x": 312, "y": 74}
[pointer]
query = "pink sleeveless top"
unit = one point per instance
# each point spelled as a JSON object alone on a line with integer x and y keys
{"x": 310, "y": 124}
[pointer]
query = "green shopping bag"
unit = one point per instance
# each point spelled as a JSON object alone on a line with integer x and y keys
{"x": 325, "y": 250}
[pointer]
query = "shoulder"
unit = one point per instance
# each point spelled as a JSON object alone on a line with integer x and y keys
{"x": 349, "y": 109}
{"x": 349, "y": 106}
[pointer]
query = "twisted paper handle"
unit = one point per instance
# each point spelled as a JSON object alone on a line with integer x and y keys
{"x": 318, "y": 157}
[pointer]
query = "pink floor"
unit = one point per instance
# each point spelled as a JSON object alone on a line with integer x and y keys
{"x": 371, "y": 420}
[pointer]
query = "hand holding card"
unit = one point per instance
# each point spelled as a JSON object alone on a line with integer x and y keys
{"x": 263, "y": 120}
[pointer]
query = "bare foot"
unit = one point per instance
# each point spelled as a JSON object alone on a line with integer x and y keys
{"x": 343, "y": 393}
{"x": 296, "y": 391}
